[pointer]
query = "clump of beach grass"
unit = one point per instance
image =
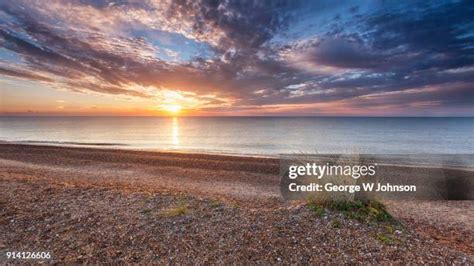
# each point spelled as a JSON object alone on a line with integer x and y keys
{"x": 336, "y": 223}
{"x": 215, "y": 203}
{"x": 358, "y": 206}
{"x": 387, "y": 238}
{"x": 364, "y": 211}
{"x": 317, "y": 209}
{"x": 182, "y": 208}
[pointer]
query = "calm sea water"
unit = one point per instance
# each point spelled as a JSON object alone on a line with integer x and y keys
{"x": 249, "y": 135}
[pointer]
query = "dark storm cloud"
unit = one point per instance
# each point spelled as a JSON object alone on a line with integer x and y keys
{"x": 438, "y": 37}
{"x": 366, "y": 51}
{"x": 344, "y": 53}
{"x": 396, "y": 50}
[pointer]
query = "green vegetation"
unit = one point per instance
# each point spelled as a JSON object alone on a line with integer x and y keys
{"x": 369, "y": 211}
{"x": 363, "y": 211}
{"x": 390, "y": 229}
{"x": 316, "y": 208}
{"x": 336, "y": 223}
{"x": 386, "y": 239}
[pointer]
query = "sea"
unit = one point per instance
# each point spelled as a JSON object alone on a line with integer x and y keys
{"x": 249, "y": 135}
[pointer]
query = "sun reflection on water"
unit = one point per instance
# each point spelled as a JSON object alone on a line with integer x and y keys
{"x": 175, "y": 132}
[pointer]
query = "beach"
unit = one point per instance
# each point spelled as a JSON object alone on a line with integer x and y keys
{"x": 101, "y": 205}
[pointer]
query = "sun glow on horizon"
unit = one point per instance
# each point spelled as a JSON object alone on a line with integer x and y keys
{"x": 172, "y": 108}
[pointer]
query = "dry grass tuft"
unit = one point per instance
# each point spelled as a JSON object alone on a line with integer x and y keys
{"x": 182, "y": 208}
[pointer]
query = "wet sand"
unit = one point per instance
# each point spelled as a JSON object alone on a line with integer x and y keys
{"x": 103, "y": 205}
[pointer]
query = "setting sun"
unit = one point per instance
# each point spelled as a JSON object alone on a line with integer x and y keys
{"x": 172, "y": 108}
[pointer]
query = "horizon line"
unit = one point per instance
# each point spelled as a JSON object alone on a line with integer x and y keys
{"x": 243, "y": 116}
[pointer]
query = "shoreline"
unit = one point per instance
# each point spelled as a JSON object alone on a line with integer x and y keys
{"x": 127, "y": 147}
{"x": 394, "y": 161}
{"x": 113, "y": 148}
{"x": 166, "y": 207}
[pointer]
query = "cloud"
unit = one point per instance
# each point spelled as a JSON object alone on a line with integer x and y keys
{"x": 23, "y": 74}
{"x": 239, "y": 24}
{"x": 336, "y": 54}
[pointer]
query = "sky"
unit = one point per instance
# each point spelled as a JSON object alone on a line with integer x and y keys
{"x": 232, "y": 58}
